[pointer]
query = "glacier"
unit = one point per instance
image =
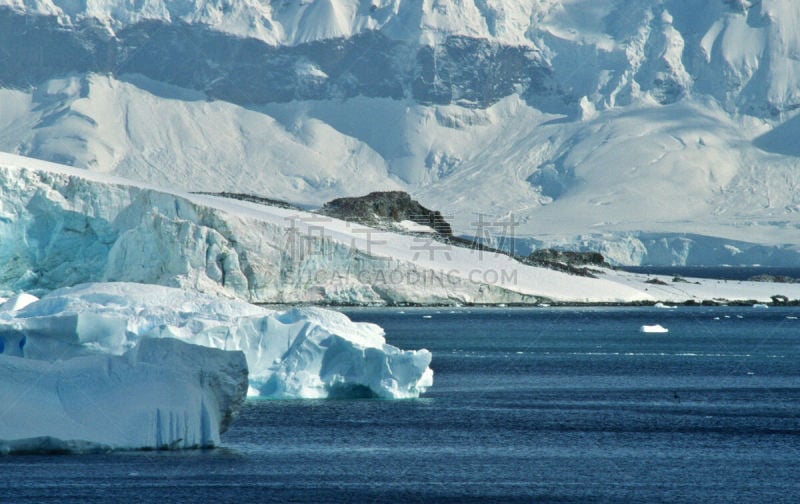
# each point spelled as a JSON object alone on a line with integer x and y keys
{"x": 61, "y": 226}
{"x": 297, "y": 353}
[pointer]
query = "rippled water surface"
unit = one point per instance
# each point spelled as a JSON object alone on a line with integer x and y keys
{"x": 552, "y": 405}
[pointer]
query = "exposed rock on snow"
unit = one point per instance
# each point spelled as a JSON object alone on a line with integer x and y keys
{"x": 379, "y": 209}
{"x": 298, "y": 353}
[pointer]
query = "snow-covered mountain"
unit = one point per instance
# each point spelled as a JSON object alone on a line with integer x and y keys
{"x": 659, "y": 131}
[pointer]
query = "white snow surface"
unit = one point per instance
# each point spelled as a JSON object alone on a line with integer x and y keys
{"x": 684, "y": 168}
{"x": 159, "y": 394}
{"x": 64, "y": 226}
{"x": 17, "y": 302}
{"x": 679, "y": 117}
{"x": 297, "y": 353}
{"x": 279, "y": 22}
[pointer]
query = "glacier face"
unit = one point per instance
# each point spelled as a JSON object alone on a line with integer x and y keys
{"x": 66, "y": 226}
{"x": 298, "y": 353}
{"x": 62, "y": 226}
{"x": 579, "y": 117}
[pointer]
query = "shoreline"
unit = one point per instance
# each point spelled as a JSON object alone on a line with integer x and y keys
{"x": 547, "y": 304}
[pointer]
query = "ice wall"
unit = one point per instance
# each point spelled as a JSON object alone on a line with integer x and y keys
{"x": 160, "y": 394}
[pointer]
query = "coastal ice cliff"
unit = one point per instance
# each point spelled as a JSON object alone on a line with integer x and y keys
{"x": 62, "y": 226}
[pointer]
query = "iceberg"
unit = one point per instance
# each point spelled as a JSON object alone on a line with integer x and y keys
{"x": 297, "y": 353}
{"x": 655, "y": 328}
{"x": 160, "y": 394}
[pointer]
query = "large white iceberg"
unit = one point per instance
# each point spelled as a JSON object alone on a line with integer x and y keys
{"x": 298, "y": 353}
{"x": 161, "y": 394}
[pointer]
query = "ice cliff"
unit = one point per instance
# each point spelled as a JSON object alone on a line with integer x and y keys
{"x": 62, "y": 226}
{"x": 159, "y": 394}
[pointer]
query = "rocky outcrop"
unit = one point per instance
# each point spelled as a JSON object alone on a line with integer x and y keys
{"x": 568, "y": 257}
{"x": 381, "y": 208}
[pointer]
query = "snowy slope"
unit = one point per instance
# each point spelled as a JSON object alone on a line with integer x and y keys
{"x": 622, "y": 125}
{"x": 62, "y": 226}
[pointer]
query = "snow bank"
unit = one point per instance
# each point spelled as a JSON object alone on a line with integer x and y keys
{"x": 17, "y": 302}
{"x": 298, "y": 353}
{"x": 161, "y": 394}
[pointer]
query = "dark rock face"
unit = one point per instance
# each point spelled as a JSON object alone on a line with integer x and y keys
{"x": 474, "y": 72}
{"x": 569, "y": 258}
{"x": 468, "y": 71}
{"x": 574, "y": 263}
{"x": 378, "y": 208}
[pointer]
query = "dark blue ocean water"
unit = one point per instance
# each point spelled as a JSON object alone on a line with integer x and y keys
{"x": 529, "y": 405}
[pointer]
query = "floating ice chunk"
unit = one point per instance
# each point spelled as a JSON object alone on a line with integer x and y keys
{"x": 298, "y": 353}
{"x": 662, "y": 305}
{"x": 162, "y": 394}
{"x": 656, "y": 328}
{"x": 760, "y": 305}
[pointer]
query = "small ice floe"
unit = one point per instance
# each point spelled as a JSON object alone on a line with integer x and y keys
{"x": 655, "y": 328}
{"x": 760, "y": 305}
{"x": 544, "y": 305}
{"x": 427, "y": 316}
{"x": 790, "y": 317}
{"x": 716, "y": 318}
{"x": 662, "y": 305}
{"x": 501, "y": 305}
